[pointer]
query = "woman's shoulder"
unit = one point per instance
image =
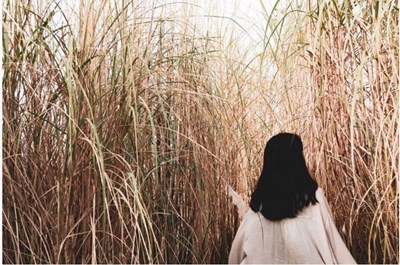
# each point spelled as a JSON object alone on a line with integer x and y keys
{"x": 319, "y": 194}
{"x": 321, "y": 198}
{"x": 252, "y": 217}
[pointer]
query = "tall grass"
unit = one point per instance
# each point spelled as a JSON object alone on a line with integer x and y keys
{"x": 351, "y": 62}
{"x": 124, "y": 123}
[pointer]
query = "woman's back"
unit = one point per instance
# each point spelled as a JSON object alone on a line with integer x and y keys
{"x": 311, "y": 237}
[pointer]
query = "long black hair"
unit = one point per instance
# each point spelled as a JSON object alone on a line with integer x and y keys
{"x": 285, "y": 186}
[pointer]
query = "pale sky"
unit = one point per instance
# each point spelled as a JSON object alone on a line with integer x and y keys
{"x": 246, "y": 18}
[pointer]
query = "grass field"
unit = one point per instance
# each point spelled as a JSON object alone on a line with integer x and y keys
{"x": 125, "y": 122}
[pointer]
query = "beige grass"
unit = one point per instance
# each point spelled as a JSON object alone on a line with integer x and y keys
{"x": 123, "y": 124}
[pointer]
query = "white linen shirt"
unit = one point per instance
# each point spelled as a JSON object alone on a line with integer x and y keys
{"x": 311, "y": 237}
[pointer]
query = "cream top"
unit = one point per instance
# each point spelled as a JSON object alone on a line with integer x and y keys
{"x": 311, "y": 237}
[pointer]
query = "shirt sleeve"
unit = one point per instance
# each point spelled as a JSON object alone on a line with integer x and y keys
{"x": 237, "y": 253}
{"x": 341, "y": 254}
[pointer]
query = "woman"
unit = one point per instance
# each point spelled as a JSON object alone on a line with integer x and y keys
{"x": 289, "y": 220}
